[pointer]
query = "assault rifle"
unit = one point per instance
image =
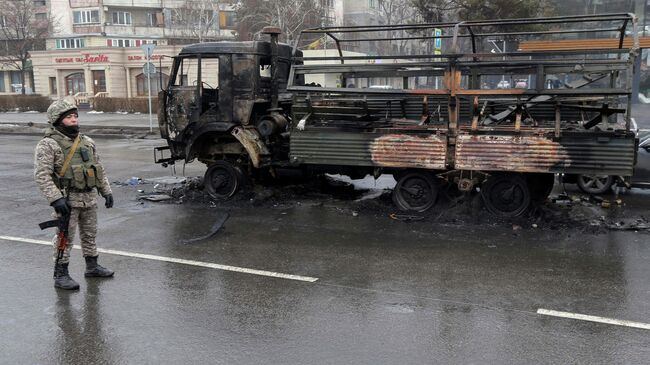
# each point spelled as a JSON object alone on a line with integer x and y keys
{"x": 61, "y": 223}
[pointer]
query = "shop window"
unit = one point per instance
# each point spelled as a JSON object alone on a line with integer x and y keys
{"x": 85, "y": 16}
{"x": 75, "y": 83}
{"x": 54, "y": 90}
{"x": 143, "y": 84}
{"x": 121, "y": 18}
{"x": 70, "y": 43}
{"x": 16, "y": 82}
{"x": 99, "y": 81}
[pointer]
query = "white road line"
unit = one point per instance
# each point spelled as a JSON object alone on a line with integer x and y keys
{"x": 584, "y": 317}
{"x": 176, "y": 261}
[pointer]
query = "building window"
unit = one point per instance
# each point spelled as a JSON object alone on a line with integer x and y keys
{"x": 16, "y": 82}
{"x": 227, "y": 19}
{"x": 2, "y": 81}
{"x": 3, "y": 21}
{"x": 39, "y": 2}
{"x": 75, "y": 83}
{"x": 85, "y": 17}
{"x": 327, "y": 3}
{"x": 372, "y": 4}
{"x": 69, "y": 43}
{"x": 155, "y": 19}
{"x": 122, "y": 43}
{"x": 53, "y": 89}
{"x": 121, "y": 18}
{"x": 40, "y": 16}
{"x": 143, "y": 84}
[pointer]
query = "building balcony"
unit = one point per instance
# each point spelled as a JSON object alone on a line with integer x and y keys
{"x": 87, "y": 29}
{"x": 84, "y": 3}
{"x": 140, "y": 31}
{"x": 134, "y": 3}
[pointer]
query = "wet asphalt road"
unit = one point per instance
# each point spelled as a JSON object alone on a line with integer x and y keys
{"x": 387, "y": 292}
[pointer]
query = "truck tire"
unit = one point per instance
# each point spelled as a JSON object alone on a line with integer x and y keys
{"x": 506, "y": 195}
{"x": 415, "y": 192}
{"x": 222, "y": 180}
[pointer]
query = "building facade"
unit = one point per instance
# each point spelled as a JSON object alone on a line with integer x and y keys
{"x": 96, "y": 46}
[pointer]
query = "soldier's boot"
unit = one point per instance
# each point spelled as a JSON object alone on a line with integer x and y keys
{"x": 62, "y": 278}
{"x": 95, "y": 270}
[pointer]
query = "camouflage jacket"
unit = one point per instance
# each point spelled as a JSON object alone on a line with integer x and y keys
{"x": 48, "y": 158}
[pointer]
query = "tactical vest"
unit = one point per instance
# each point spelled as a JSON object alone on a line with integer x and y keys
{"x": 82, "y": 173}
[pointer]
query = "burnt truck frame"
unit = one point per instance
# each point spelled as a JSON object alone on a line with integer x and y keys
{"x": 573, "y": 116}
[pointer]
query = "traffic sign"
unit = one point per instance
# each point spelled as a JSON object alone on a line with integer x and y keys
{"x": 149, "y": 68}
{"x": 437, "y": 41}
{"x": 148, "y": 50}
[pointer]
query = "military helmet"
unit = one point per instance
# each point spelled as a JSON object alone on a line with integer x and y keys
{"x": 57, "y": 109}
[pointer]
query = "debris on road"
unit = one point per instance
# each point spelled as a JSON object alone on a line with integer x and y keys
{"x": 155, "y": 197}
{"x": 215, "y": 229}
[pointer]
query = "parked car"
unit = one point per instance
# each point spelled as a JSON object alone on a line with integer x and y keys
{"x": 503, "y": 84}
{"x": 521, "y": 84}
{"x": 601, "y": 184}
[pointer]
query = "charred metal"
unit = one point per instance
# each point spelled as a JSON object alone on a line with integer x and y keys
{"x": 245, "y": 106}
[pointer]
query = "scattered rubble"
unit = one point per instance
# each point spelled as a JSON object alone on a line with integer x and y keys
{"x": 559, "y": 212}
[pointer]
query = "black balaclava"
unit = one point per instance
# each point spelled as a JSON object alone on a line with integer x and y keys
{"x": 70, "y": 131}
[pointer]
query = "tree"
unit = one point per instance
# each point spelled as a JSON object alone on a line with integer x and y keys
{"x": 198, "y": 19}
{"x": 398, "y": 12}
{"x": 455, "y": 10}
{"x": 24, "y": 27}
{"x": 291, "y": 16}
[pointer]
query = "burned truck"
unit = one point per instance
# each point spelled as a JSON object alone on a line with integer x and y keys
{"x": 461, "y": 104}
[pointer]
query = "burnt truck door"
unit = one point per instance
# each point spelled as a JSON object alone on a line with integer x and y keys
{"x": 182, "y": 106}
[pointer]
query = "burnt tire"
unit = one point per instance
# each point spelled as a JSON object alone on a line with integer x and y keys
{"x": 540, "y": 185}
{"x": 222, "y": 180}
{"x": 595, "y": 184}
{"x": 415, "y": 192}
{"x": 506, "y": 195}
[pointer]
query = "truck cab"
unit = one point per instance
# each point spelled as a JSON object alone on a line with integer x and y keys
{"x": 217, "y": 87}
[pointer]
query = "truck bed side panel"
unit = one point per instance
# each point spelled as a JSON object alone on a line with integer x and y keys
{"x": 369, "y": 149}
{"x": 574, "y": 154}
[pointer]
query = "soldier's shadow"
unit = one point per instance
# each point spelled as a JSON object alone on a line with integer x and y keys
{"x": 83, "y": 339}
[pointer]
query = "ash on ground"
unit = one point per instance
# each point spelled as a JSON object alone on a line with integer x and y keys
{"x": 370, "y": 197}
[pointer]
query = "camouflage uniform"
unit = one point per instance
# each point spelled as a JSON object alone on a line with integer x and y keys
{"x": 48, "y": 161}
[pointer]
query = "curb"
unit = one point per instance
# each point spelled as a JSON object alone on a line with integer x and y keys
{"x": 92, "y": 130}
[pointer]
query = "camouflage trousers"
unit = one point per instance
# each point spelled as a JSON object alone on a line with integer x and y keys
{"x": 86, "y": 220}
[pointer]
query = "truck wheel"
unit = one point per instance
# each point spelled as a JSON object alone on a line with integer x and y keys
{"x": 415, "y": 192}
{"x": 595, "y": 184}
{"x": 506, "y": 195}
{"x": 222, "y": 180}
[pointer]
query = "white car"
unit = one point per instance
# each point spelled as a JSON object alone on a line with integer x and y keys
{"x": 503, "y": 84}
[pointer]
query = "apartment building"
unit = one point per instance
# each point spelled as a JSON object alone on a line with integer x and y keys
{"x": 95, "y": 46}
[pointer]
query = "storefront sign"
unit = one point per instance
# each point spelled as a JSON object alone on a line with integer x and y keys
{"x": 141, "y": 58}
{"x": 87, "y": 58}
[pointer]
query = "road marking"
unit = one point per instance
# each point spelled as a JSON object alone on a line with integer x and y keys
{"x": 176, "y": 261}
{"x": 584, "y": 317}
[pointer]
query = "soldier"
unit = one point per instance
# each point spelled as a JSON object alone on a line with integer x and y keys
{"x": 67, "y": 170}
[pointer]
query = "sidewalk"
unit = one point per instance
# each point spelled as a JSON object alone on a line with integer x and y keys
{"x": 97, "y": 124}
{"x": 86, "y": 118}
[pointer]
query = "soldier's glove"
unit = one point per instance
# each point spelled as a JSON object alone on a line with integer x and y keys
{"x": 61, "y": 206}
{"x": 109, "y": 200}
